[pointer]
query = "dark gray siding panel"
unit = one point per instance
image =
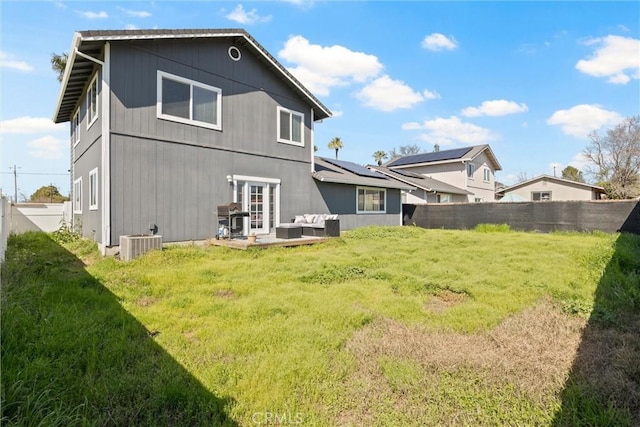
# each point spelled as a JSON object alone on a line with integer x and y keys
{"x": 90, "y": 221}
{"x": 341, "y": 199}
{"x": 178, "y": 187}
{"x": 250, "y": 96}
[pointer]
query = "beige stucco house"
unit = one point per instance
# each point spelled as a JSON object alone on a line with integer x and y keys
{"x": 469, "y": 174}
{"x": 547, "y": 188}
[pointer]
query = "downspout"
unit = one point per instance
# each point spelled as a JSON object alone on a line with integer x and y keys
{"x": 312, "y": 144}
{"x": 106, "y": 149}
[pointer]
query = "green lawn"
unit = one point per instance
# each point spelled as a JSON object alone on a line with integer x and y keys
{"x": 384, "y": 326}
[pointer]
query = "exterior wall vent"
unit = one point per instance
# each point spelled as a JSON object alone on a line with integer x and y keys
{"x": 132, "y": 246}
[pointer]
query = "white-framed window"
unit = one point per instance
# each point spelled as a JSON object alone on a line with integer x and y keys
{"x": 371, "y": 200}
{"x": 77, "y": 196}
{"x": 541, "y": 196}
{"x": 487, "y": 175}
{"x": 477, "y": 200}
{"x": 187, "y": 101}
{"x": 75, "y": 128}
{"x": 92, "y": 102}
{"x": 444, "y": 198}
{"x": 290, "y": 127}
{"x": 93, "y": 190}
{"x": 471, "y": 169}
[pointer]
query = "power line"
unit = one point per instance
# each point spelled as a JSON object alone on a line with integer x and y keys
{"x": 34, "y": 173}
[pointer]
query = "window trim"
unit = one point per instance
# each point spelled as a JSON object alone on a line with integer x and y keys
{"x": 92, "y": 119}
{"x": 376, "y": 189}
{"x": 191, "y": 83}
{"x": 487, "y": 175}
{"x": 541, "y": 199}
{"x": 291, "y": 113}
{"x": 77, "y": 196}
{"x": 93, "y": 192}
{"x": 75, "y": 128}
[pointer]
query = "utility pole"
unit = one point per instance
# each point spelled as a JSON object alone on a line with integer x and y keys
{"x": 15, "y": 183}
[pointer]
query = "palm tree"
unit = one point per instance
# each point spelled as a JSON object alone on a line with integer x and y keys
{"x": 336, "y": 144}
{"x": 380, "y": 156}
{"x": 58, "y": 64}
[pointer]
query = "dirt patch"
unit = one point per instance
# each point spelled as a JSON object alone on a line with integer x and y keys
{"x": 146, "y": 301}
{"x": 444, "y": 300}
{"x": 457, "y": 378}
{"x": 224, "y": 293}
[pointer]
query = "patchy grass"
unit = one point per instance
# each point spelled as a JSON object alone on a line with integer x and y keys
{"x": 400, "y": 326}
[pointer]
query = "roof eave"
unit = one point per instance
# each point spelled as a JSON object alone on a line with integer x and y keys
{"x": 75, "y": 43}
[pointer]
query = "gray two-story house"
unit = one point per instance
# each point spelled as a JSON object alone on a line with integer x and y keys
{"x": 168, "y": 124}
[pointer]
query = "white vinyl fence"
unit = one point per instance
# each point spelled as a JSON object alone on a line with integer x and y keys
{"x": 22, "y": 217}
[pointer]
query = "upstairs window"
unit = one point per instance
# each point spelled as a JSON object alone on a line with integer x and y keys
{"x": 187, "y": 101}
{"x": 75, "y": 128}
{"x": 487, "y": 175}
{"x": 290, "y": 127}
{"x": 471, "y": 169}
{"x": 92, "y": 102}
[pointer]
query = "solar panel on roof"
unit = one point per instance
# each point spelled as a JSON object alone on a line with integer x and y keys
{"x": 436, "y": 156}
{"x": 407, "y": 173}
{"x": 354, "y": 168}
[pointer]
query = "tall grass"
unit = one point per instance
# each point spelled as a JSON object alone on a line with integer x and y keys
{"x": 216, "y": 334}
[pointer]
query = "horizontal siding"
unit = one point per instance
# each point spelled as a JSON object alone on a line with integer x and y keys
{"x": 178, "y": 187}
{"x": 250, "y": 96}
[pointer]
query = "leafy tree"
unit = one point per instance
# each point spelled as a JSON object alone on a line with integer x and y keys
{"x": 616, "y": 158}
{"x": 58, "y": 64}
{"x": 406, "y": 150}
{"x": 379, "y": 156}
{"x": 336, "y": 144}
{"x": 48, "y": 194}
{"x": 572, "y": 174}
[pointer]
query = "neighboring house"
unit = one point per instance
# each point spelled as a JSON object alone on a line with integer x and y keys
{"x": 426, "y": 190}
{"x": 168, "y": 124}
{"x": 471, "y": 170}
{"x": 546, "y": 188}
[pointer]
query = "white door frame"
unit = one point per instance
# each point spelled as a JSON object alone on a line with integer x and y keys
{"x": 265, "y": 183}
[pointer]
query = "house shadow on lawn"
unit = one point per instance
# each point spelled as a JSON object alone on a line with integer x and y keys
{"x": 603, "y": 387}
{"x": 72, "y": 355}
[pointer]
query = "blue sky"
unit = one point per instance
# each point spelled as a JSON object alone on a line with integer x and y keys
{"x": 531, "y": 79}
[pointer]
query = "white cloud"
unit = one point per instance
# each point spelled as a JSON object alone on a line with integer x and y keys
{"x": 47, "y": 147}
{"x": 498, "y": 107}
{"x": 7, "y": 61}
{"x": 438, "y": 42}
{"x": 244, "y": 17}
{"x": 337, "y": 113}
{"x": 581, "y": 163}
{"x": 27, "y": 125}
{"x": 135, "y": 13}
{"x": 444, "y": 131}
{"x": 319, "y": 68}
{"x": 615, "y": 57}
{"x": 387, "y": 94}
{"x": 94, "y": 15}
{"x": 581, "y": 120}
{"x": 130, "y": 27}
{"x": 430, "y": 95}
